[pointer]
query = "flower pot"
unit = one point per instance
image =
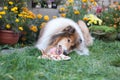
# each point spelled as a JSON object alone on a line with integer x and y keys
{"x": 110, "y": 36}
{"x": 98, "y": 34}
{"x": 103, "y": 32}
{"x": 105, "y": 36}
{"x": 8, "y": 37}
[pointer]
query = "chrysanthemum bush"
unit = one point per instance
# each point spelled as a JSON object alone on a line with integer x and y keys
{"x": 91, "y": 19}
{"x": 17, "y": 17}
{"x": 76, "y": 9}
{"x": 9, "y": 16}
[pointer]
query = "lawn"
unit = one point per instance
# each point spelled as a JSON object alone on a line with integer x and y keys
{"x": 103, "y": 63}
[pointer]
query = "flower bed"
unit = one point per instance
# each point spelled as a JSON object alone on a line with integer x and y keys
{"x": 17, "y": 17}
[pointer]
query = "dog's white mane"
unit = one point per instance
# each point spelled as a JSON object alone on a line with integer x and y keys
{"x": 56, "y": 26}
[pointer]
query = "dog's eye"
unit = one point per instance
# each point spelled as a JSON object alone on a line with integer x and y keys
{"x": 80, "y": 40}
{"x": 68, "y": 40}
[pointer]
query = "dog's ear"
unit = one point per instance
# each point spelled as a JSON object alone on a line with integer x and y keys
{"x": 86, "y": 34}
{"x": 69, "y": 30}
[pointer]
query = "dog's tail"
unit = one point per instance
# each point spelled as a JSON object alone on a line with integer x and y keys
{"x": 86, "y": 34}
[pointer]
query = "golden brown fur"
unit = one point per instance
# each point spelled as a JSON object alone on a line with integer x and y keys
{"x": 66, "y": 33}
{"x": 86, "y": 34}
{"x": 68, "y": 38}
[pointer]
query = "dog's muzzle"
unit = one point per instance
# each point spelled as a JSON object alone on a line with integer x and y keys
{"x": 65, "y": 52}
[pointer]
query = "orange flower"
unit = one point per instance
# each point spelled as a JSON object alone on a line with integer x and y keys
{"x": 33, "y": 28}
{"x": 63, "y": 15}
{"x": 84, "y": 1}
{"x": 85, "y": 19}
{"x": 25, "y": 9}
{"x": 46, "y": 17}
{"x": 39, "y": 16}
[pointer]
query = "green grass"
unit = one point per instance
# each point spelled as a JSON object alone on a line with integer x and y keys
{"x": 103, "y": 63}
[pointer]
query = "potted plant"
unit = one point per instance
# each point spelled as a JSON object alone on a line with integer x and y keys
{"x": 103, "y": 32}
{"x": 10, "y": 25}
{"x": 13, "y": 17}
{"x": 92, "y": 19}
{"x": 111, "y": 16}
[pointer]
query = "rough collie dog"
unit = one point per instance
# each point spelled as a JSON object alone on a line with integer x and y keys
{"x": 64, "y": 32}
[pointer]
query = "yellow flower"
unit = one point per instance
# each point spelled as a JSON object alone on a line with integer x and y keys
{"x": 20, "y": 28}
{"x": 5, "y": 8}
{"x": 0, "y": 16}
{"x": 95, "y": 21}
{"x": 70, "y": 1}
{"x": 62, "y": 9}
{"x": 46, "y": 17}
{"x": 31, "y": 15}
{"x": 8, "y": 26}
{"x": 84, "y": 1}
{"x": 33, "y": 28}
{"x": 2, "y": 12}
{"x": 100, "y": 22}
{"x": 42, "y": 24}
{"x": 54, "y": 17}
{"x": 39, "y": 16}
{"x": 10, "y": 2}
{"x": 14, "y": 9}
{"x": 63, "y": 15}
{"x": 90, "y": 22}
{"x": 94, "y": 3}
{"x": 17, "y": 20}
{"x": 76, "y": 12}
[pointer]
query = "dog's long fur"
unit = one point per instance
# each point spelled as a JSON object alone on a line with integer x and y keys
{"x": 56, "y": 26}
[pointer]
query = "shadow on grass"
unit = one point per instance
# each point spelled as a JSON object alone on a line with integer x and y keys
{"x": 115, "y": 63}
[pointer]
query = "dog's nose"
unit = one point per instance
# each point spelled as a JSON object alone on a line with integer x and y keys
{"x": 65, "y": 52}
